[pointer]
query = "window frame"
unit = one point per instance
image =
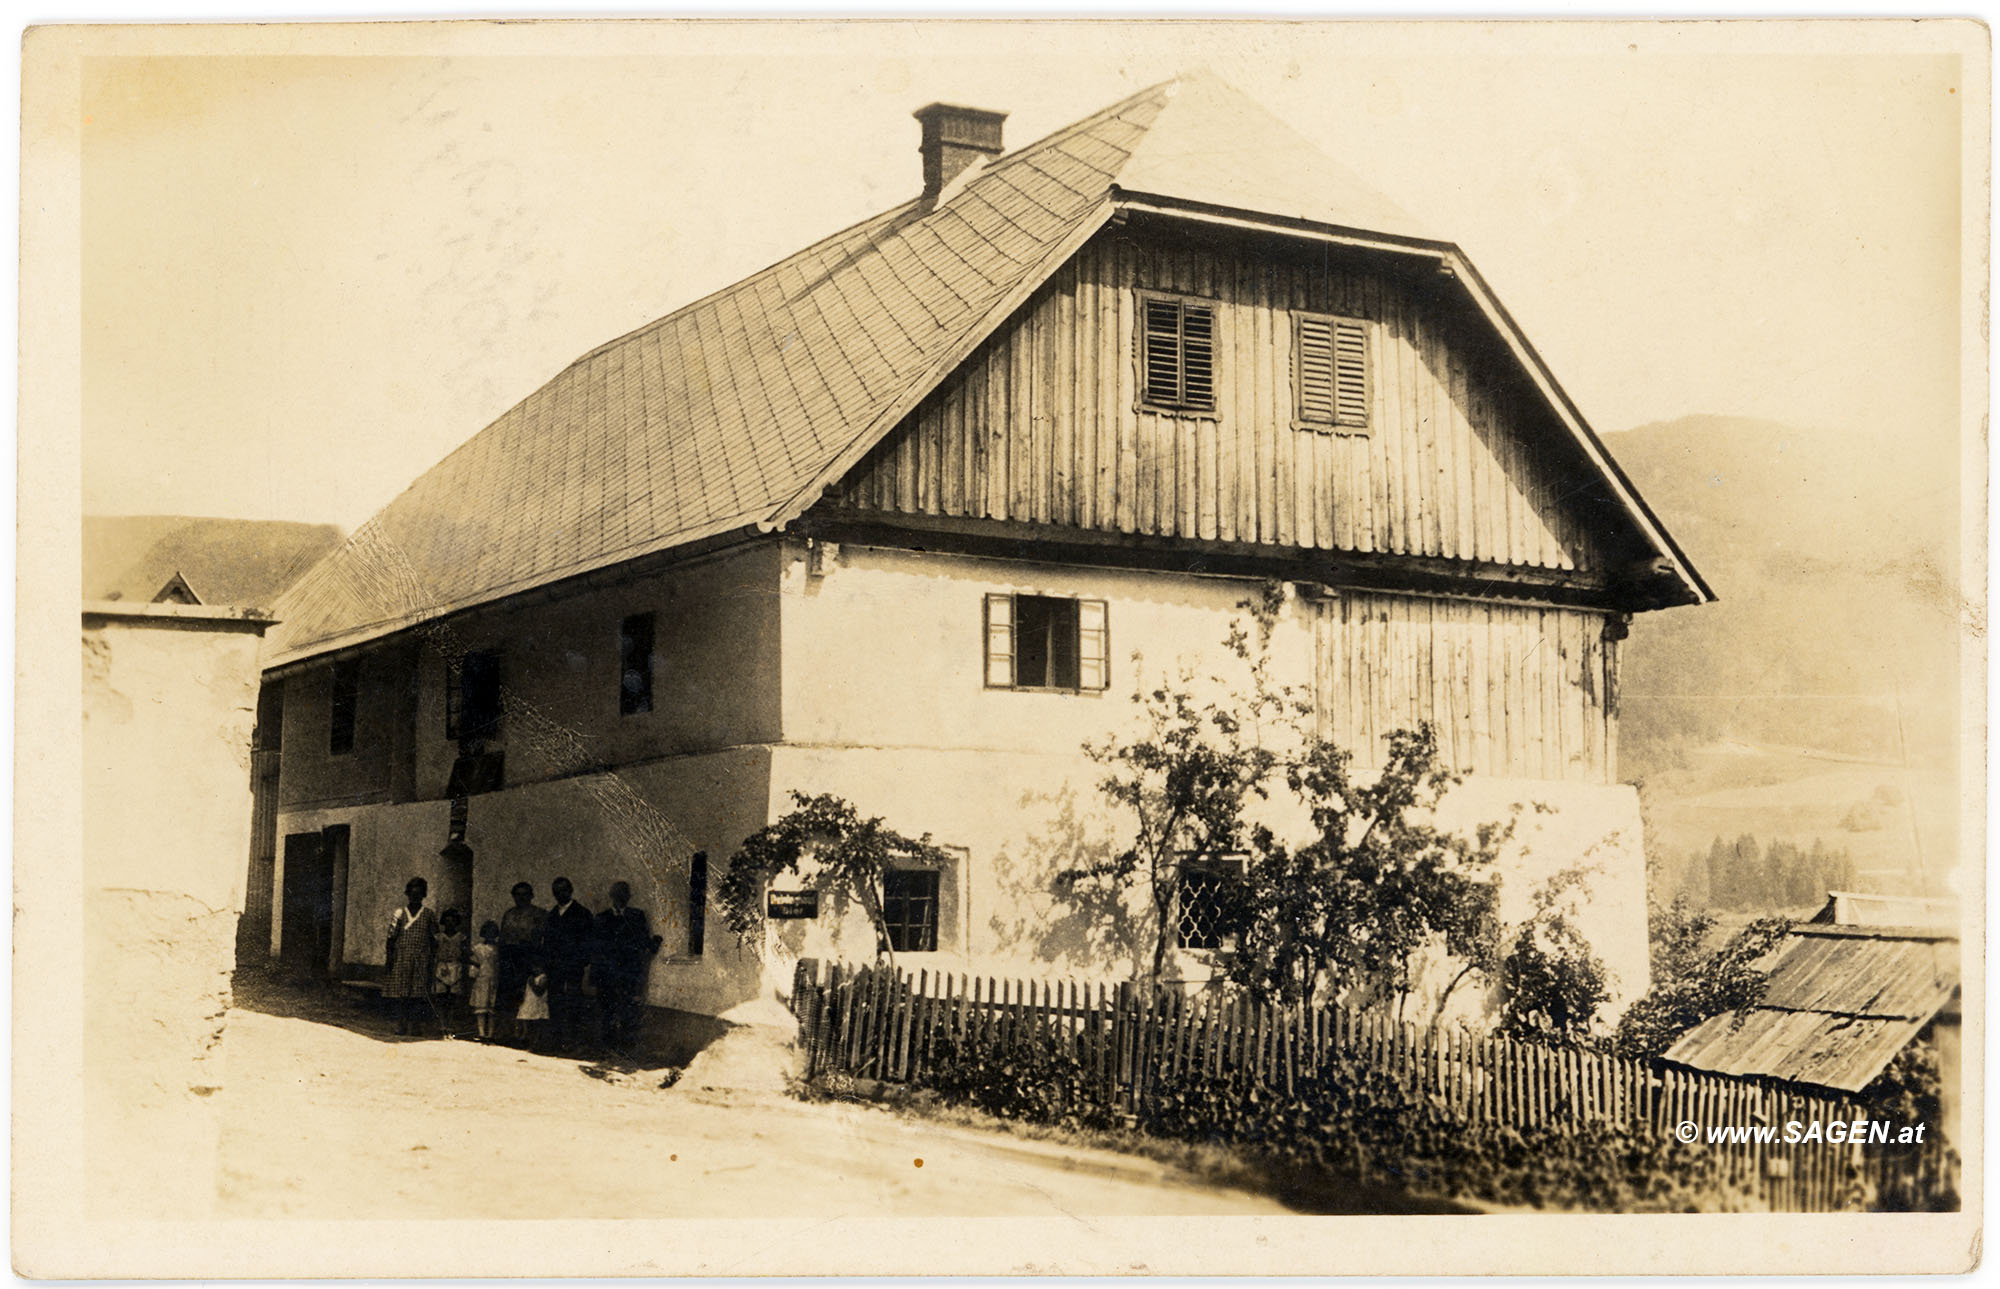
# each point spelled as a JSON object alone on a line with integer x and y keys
{"x": 343, "y": 714}
{"x": 950, "y": 908}
{"x": 933, "y": 925}
{"x": 1001, "y": 640}
{"x": 455, "y": 695}
{"x": 1335, "y": 421}
{"x": 1178, "y": 405}
{"x": 628, "y": 640}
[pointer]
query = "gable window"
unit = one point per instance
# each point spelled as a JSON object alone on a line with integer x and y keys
{"x": 1201, "y": 902}
{"x": 1042, "y": 642}
{"x": 346, "y": 702}
{"x": 472, "y": 704}
{"x": 1330, "y": 371}
{"x": 635, "y": 665}
{"x": 1177, "y": 353}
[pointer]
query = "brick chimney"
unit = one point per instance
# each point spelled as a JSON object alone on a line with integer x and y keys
{"x": 955, "y": 137}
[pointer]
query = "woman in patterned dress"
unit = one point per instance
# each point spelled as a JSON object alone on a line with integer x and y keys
{"x": 412, "y": 932}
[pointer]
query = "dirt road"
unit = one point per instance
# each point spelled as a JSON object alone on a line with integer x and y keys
{"x": 345, "y": 1120}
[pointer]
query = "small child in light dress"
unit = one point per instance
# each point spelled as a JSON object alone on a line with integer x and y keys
{"x": 534, "y": 1009}
{"x": 450, "y": 970}
{"x": 485, "y": 973}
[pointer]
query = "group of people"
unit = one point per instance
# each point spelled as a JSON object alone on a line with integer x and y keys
{"x": 557, "y": 977}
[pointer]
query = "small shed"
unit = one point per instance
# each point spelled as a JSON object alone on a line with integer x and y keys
{"x": 1842, "y": 1001}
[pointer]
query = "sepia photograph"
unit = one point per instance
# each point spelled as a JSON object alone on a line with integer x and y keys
{"x": 1259, "y": 647}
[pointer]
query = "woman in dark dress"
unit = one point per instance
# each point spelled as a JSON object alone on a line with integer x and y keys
{"x": 412, "y": 940}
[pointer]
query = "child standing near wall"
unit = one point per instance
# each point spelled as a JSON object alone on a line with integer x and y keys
{"x": 534, "y": 1013}
{"x": 450, "y": 964}
{"x": 485, "y": 973}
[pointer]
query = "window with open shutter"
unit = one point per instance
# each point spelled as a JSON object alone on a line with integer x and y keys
{"x": 1330, "y": 371}
{"x": 1047, "y": 642}
{"x": 1177, "y": 353}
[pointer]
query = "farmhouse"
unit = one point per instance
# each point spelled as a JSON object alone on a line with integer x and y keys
{"x": 906, "y": 517}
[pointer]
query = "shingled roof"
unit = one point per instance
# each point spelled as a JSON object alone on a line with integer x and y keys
{"x": 735, "y": 411}
{"x": 1841, "y": 1001}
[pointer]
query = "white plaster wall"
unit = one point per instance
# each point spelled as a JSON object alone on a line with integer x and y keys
{"x": 167, "y": 713}
{"x": 888, "y": 650}
{"x": 884, "y": 705}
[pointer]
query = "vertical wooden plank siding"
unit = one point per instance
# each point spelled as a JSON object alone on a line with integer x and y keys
{"x": 1511, "y": 689}
{"x": 1044, "y": 424}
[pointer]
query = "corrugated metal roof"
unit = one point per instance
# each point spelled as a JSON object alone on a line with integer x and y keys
{"x": 1840, "y": 1003}
{"x": 737, "y": 409}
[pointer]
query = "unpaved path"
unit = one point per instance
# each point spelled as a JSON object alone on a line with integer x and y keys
{"x": 344, "y": 1120}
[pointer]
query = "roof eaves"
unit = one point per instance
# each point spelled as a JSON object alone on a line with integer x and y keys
{"x": 366, "y": 633}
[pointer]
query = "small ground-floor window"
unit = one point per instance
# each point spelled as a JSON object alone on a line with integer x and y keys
{"x": 910, "y": 908}
{"x": 1199, "y": 903}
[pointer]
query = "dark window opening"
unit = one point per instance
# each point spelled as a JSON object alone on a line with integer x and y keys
{"x": 697, "y": 902}
{"x": 472, "y": 705}
{"x": 269, "y": 733}
{"x": 910, "y": 909}
{"x": 1045, "y": 643}
{"x": 635, "y": 665}
{"x": 1177, "y": 348}
{"x": 346, "y": 702}
{"x": 1040, "y": 642}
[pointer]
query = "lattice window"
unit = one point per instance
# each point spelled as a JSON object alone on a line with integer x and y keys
{"x": 1200, "y": 903}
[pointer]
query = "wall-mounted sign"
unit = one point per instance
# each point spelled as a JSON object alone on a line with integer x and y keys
{"x": 791, "y": 904}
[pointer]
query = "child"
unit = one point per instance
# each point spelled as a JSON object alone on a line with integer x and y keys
{"x": 450, "y": 961}
{"x": 534, "y": 1009}
{"x": 485, "y": 978}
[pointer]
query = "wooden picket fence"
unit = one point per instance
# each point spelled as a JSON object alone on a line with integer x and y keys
{"x": 888, "y": 1025}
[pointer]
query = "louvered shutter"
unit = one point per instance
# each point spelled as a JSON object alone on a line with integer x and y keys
{"x": 999, "y": 642}
{"x": 1093, "y": 639}
{"x": 1197, "y": 356}
{"x": 1177, "y": 351}
{"x": 1330, "y": 371}
{"x": 1162, "y": 352}
{"x": 1314, "y": 369}
{"x": 1350, "y": 371}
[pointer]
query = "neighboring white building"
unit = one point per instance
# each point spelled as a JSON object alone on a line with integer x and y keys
{"x": 169, "y": 694}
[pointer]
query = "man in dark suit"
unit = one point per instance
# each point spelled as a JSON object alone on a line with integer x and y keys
{"x": 625, "y": 946}
{"x": 566, "y": 940}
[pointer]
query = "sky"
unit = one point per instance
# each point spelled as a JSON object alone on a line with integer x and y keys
{"x": 309, "y": 275}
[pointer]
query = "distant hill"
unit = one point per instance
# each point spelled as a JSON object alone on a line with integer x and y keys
{"x": 225, "y": 561}
{"x": 1824, "y": 683}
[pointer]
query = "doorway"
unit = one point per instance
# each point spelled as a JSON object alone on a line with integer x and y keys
{"x": 306, "y": 931}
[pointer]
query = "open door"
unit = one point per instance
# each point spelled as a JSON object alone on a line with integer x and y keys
{"x": 306, "y": 933}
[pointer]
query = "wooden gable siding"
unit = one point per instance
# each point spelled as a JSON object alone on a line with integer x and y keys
{"x": 1044, "y": 424}
{"x": 1516, "y": 690}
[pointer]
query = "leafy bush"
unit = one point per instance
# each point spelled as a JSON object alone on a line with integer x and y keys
{"x": 1687, "y": 988}
{"x": 1350, "y": 1120}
